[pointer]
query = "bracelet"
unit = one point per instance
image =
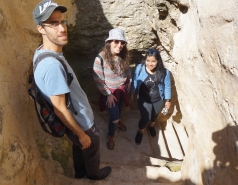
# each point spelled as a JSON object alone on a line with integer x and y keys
{"x": 168, "y": 100}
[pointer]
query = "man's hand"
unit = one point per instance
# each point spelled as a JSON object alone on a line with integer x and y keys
{"x": 85, "y": 141}
{"x": 67, "y": 118}
{"x": 111, "y": 100}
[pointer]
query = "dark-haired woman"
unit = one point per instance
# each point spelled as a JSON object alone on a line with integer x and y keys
{"x": 112, "y": 76}
{"x": 152, "y": 81}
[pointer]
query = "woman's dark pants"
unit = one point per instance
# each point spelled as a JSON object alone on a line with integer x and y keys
{"x": 148, "y": 111}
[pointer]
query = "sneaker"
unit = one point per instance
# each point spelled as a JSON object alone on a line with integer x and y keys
{"x": 152, "y": 131}
{"x": 121, "y": 126}
{"x": 105, "y": 172}
{"x": 138, "y": 138}
{"x": 110, "y": 142}
{"x": 80, "y": 176}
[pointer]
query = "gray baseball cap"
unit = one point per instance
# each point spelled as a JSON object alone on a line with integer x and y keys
{"x": 44, "y": 10}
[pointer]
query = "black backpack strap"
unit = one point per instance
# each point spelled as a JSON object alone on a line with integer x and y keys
{"x": 49, "y": 54}
{"x": 101, "y": 59}
{"x": 69, "y": 75}
{"x": 45, "y": 55}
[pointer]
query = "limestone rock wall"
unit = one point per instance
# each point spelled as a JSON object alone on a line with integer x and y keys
{"x": 145, "y": 23}
{"x": 206, "y": 75}
{"x": 96, "y": 18}
{"x": 20, "y": 160}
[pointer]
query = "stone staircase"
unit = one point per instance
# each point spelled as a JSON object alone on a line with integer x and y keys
{"x": 155, "y": 161}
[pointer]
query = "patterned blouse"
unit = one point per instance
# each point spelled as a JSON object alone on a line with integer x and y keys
{"x": 106, "y": 79}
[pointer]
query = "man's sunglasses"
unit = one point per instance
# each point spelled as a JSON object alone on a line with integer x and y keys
{"x": 123, "y": 43}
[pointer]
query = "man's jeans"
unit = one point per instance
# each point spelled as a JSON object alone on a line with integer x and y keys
{"x": 86, "y": 161}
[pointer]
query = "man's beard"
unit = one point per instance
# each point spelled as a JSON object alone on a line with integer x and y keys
{"x": 57, "y": 41}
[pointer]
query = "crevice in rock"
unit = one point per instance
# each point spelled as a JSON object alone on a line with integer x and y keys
{"x": 233, "y": 120}
{"x": 162, "y": 18}
{"x": 155, "y": 32}
{"x": 135, "y": 55}
{"x": 158, "y": 45}
{"x": 174, "y": 22}
{"x": 1, "y": 18}
{"x": 161, "y": 47}
{"x": 3, "y": 24}
{"x": 1, "y": 118}
{"x": 224, "y": 67}
{"x": 163, "y": 11}
{"x": 183, "y": 9}
{"x": 174, "y": 2}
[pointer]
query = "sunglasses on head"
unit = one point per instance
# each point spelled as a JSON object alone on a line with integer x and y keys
{"x": 123, "y": 43}
{"x": 152, "y": 52}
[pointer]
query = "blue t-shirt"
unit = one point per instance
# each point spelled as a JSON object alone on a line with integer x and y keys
{"x": 50, "y": 77}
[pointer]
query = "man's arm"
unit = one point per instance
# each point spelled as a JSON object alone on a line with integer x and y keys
{"x": 66, "y": 117}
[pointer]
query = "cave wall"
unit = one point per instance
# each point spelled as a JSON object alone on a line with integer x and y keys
{"x": 20, "y": 159}
{"x": 95, "y": 19}
{"x": 145, "y": 23}
{"x": 198, "y": 43}
{"x": 206, "y": 75}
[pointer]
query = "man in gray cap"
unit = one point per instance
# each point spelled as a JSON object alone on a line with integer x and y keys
{"x": 50, "y": 77}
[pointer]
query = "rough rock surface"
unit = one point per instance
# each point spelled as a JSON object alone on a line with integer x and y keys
{"x": 205, "y": 51}
{"x": 198, "y": 42}
{"x": 20, "y": 160}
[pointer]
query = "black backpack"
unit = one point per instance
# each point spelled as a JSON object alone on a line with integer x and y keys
{"x": 45, "y": 111}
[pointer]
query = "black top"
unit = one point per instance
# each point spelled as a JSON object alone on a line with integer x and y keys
{"x": 149, "y": 89}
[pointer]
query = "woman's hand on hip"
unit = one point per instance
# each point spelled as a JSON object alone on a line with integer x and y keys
{"x": 111, "y": 100}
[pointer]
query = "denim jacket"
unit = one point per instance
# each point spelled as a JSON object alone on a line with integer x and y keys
{"x": 164, "y": 88}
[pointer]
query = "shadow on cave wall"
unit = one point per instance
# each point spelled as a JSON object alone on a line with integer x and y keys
{"x": 225, "y": 166}
{"x": 88, "y": 35}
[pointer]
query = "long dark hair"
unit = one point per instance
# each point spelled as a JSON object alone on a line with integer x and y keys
{"x": 122, "y": 56}
{"x": 159, "y": 70}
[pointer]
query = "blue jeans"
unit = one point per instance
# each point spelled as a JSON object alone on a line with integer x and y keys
{"x": 114, "y": 113}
